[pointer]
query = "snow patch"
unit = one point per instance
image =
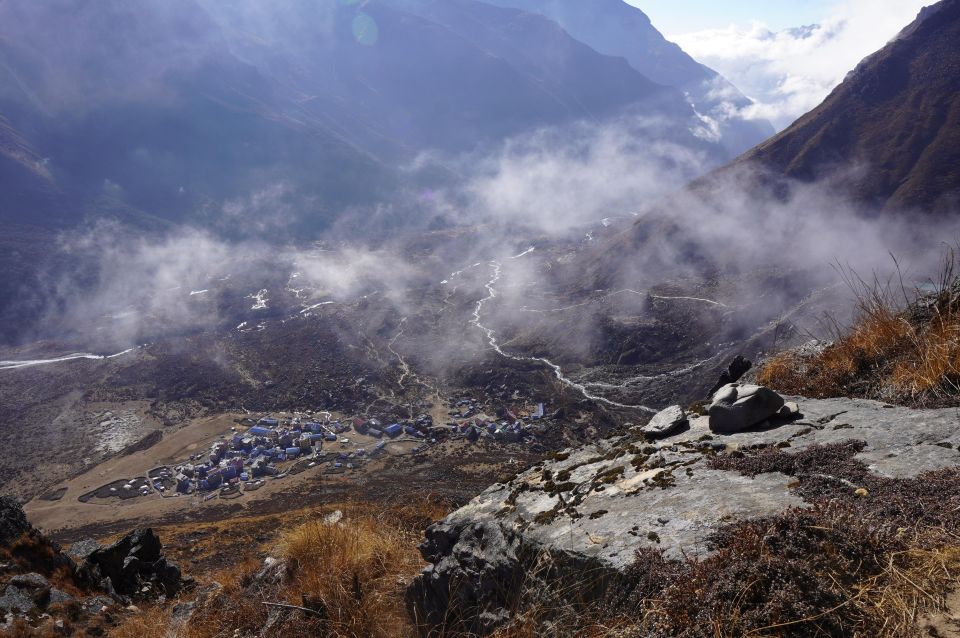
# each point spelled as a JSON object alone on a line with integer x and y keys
{"x": 260, "y": 300}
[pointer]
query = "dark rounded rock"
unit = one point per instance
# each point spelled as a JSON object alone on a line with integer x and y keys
{"x": 13, "y": 521}
{"x": 124, "y": 568}
{"x": 475, "y": 567}
{"x": 738, "y": 407}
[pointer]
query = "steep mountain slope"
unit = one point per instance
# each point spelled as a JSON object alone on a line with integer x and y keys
{"x": 445, "y": 75}
{"x": 146, "y": 103}
{"x": 887, "y": 138}
{"x": 251, "y": 119}
{"x": 181, "y": 107}
{"x": 770, "y": 224}
{"x": 895, "y": 120}
{"x": 615, "y": 28}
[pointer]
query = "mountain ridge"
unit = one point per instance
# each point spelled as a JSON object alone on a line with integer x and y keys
{"x": 895, "y": 120}
{"x": 615, "y": 28}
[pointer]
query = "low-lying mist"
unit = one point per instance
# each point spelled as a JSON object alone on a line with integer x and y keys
{"x": 605, "y": 210}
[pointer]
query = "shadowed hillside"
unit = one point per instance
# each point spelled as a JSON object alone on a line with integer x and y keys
{"x": 895, "y": 121}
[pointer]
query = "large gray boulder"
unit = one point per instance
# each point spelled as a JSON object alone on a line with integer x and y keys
{"x": 665, "y": 422}
{"x": 737, "y": 407}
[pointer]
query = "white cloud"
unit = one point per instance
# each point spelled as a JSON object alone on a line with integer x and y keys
{"x": 272, "y": 207}
{"x": 554, "y": 180}
{"x": 790, "y": 72}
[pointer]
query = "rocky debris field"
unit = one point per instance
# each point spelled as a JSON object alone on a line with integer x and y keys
{"x": 42, "y": 585}
{"x": 592, "y": 509}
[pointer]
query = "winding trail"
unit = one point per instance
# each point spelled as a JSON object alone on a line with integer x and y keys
{"x": 614, "y": 294}
{"x": 581, "y": 304}
{"x": 315, "y": 306}
{"x": 634, "y": 380}
{"x": 404, "y": 367}
{"x": 709, "y": 301}
{"x": 12, "y": 365}
{"x": 497, "y": 271}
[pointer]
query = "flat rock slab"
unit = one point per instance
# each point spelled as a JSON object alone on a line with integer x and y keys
{"x": 611, "y": 498}
{"x": 636, "y": 512}
{"x": 665, "y": 422}
{"x": 901, "y": 443}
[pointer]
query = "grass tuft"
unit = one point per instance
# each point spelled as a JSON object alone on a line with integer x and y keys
{"x": 341, "y": 579}
{"x": 903, "y": 347}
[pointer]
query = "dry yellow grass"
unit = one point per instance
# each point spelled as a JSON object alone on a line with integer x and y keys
{"x": 895, "y": 350}
{"x": 358, "y": 569}
{"x": 935, "y": 366}
{"x": 147, "y": 623}
{"x": 878, "y": 338}
{"x": 351, "y": 575}
{"x": 915, "y": 584}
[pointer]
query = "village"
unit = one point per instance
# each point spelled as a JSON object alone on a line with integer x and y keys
{"x": 270, "y": 447}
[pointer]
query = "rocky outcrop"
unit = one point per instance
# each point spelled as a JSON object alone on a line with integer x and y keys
{"x": 476, "y": 566}
{"x": 13, "y": 522}
{"x": 28, "y": 549}
{"x": 484, "y": 570}
{"x": 594, "y": 507}
{"x": 35, "y": 573}
{"x": 34, "y": 569}
{"x": 133, "y": 567}
{"x": 734, "y": 372}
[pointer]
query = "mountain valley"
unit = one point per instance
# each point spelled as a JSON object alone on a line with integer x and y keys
{"x": 318, "y": 275}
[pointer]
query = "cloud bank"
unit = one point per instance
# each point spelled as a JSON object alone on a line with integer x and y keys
{"x": 602, "y": 206}
{"x": 790, "y": 72}
{"x": 554, "y": 180}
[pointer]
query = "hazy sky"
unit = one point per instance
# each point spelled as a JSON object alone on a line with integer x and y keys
{"x": 756, "y": 44}
{"x": 683, "y": 16}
